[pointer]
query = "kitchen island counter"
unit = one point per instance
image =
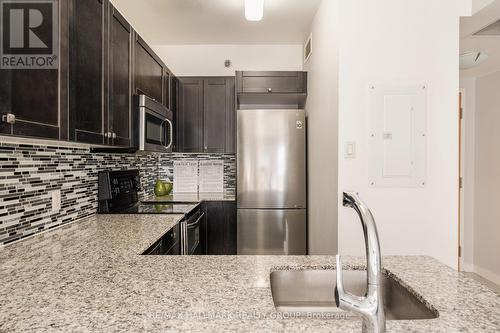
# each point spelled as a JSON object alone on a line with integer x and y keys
{"x": 90, "y": 276}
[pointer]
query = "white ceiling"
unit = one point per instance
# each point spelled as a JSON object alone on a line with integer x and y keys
{"x": 488, "y": 45}
{"x": 163, "y": 22}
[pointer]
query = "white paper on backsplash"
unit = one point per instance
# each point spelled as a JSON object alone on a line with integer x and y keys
{"x": 186, "y": 176}
{"x": 211, "y": 176}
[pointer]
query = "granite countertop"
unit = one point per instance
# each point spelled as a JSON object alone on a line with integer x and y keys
{"x": 191, "y": 197}
{"x": 89, "y": 276}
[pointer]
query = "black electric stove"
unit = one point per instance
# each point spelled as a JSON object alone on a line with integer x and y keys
{"x": 119, "y": 194}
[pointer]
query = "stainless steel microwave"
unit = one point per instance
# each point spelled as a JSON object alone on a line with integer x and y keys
{"x": 155, "y": 128}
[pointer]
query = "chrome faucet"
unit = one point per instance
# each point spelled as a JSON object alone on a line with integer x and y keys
{"x": 370, "y": 306}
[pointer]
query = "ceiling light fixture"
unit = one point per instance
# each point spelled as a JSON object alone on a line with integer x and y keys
{"x": 472, "y": 59}
{"x": 254, "y": 10}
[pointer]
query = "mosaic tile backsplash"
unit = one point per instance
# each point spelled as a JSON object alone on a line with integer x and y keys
{"x": 30, "y": 173}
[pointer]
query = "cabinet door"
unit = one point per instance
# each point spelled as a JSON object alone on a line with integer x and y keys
{"x": 174, "y": 250}
{"x": 148, "y": 72}
{"x": 86, "y": 71}
{"x": 32, "y": 96}
{"x": 170, "y": 241}
{"x": 154, "y": 249}
{"x": 271, "y": 82}
{"x": 218, "y": 115}
{"x": 120, "y": 98}
{"x": 174, "y": 93}
{"x": 230, "y": 228}
{"x": 221, "y": 230}
{"x": 215, "y": 228}
{"x": 231, "y": 116}
{"x": 190, "y": 115}
{"x": 167, "y": 82}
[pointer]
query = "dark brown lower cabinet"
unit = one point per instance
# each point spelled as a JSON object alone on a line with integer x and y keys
{"x": 169, "y": 244}
{"x": 220, "y": 228}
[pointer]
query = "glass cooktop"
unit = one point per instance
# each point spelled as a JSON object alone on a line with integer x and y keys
{"x": 159, "y": 208}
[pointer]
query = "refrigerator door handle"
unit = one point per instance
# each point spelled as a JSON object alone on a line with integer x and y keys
{"x": 285, "y": 243}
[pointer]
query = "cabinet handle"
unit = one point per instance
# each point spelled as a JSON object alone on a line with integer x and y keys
{"x": 9, "y": 118}
{"x": 205, "y": 148}
{"x": 270, "y": 90}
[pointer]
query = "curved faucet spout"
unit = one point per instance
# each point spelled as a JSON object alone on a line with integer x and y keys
{"x": 370, "y": 306}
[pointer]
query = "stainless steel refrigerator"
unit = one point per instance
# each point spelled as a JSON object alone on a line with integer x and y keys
{"x": 271, "y": 182}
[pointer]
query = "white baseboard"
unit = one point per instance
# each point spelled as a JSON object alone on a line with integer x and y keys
{"x": 488, "y": 275}
{"x": 466, "y": 267}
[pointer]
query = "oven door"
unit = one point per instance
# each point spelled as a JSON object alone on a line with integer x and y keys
{"x": 191, "y": 235}
{"x": 155, "y": 131}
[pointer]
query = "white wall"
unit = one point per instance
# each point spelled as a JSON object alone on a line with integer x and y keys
{"x": 468, "y": 89}
{"x": 487, "y": 176}
{"x": 402, "y": 42}
{"x": 208, "y": 60}
{"x": 322, "y": 113}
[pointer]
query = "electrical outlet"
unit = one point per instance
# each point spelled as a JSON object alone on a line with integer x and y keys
{"x": 56, "y": 201}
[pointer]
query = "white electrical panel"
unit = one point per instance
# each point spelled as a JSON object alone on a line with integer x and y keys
{"x": 398, "y": 138}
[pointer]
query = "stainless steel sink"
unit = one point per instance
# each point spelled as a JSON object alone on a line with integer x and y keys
{"x": 310, "y": 292}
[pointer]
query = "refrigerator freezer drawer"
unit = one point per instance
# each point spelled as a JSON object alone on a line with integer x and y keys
{"x": 272, "y": 231}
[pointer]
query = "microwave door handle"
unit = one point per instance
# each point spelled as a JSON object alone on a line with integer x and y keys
{"x": 171, "y": 141}
{"x": 161, "y": 131}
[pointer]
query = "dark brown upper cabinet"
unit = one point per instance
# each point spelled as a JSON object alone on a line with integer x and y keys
{"x": 206, "y": 115}
{"x": 32, "y": 96}
{"x": 120, "y": 79}
{"x": 148, "y": 71}
{"x": 110, "y": 63}
{"x": 86, "y": 78}
{"x": 100, "y": 88}
{"x": 272, "y": 89}
{"x": 102, "y": 64}
{"x": 35, "y": 107}
{"x": 167, "y": 88}
{"x": 174, "y": 102}
{"x": 190, "y": 116}
{"x": 219, "y": 115}
{"x": 271, "y": 82}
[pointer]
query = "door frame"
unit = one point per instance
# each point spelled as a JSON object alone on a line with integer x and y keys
{"x": 461, "y": 96}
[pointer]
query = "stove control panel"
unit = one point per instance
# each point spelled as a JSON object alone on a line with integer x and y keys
{"x": 118, "y": 189}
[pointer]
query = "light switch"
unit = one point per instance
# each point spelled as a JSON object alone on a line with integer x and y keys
{"x": 350, "y": 150}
